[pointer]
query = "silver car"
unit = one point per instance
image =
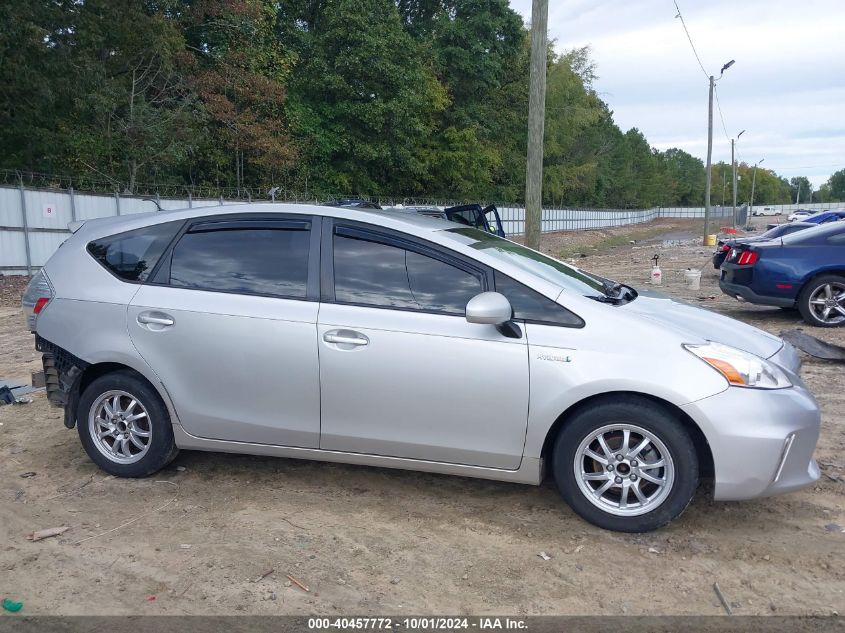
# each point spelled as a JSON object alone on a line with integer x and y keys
{"x": 403, "y": 341}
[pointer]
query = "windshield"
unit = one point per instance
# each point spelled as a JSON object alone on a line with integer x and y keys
{"x": 551, "y": 270}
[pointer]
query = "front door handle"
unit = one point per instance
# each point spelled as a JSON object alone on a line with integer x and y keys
{"x": 155, "y": 318}
{"x": 345, "y": 337}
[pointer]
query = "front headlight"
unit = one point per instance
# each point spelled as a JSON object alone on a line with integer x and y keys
{"x": 739, "y": 368}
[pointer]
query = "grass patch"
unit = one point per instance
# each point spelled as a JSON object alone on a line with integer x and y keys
{"x": 609, "y": 242}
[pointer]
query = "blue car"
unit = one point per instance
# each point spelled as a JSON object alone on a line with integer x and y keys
{"x": 823, "y": 217}
{"x": 804, "y": 270}
{"x": 723, "y": 247}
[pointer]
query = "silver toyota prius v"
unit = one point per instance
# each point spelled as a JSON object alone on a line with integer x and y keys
{"x": 398, "y": 340}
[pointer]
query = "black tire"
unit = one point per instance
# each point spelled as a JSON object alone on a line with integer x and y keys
{"x": 161, "y": 449}
{"x": 807, "y": 292}
{"x": 658, "y": 422}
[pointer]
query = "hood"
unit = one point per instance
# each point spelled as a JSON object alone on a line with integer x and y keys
{"x": 703, "y": 323}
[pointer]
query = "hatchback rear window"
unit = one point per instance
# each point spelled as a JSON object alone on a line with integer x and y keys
{"x": 131, "y": 256}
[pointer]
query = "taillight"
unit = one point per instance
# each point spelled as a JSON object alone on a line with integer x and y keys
{"x": 39, "y": 305}
{"x": 725, "y": 248}
{"x": 35, "y": 298}
{"x": 747, "y": 258}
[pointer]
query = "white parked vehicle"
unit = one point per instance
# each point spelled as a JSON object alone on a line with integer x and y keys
{"x": 799, "y": 215}
{"x": 766, "y": 211}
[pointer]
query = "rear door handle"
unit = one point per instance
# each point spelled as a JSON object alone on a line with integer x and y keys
{"x": 345, "y": 337}
{"x": 156, "y": 318}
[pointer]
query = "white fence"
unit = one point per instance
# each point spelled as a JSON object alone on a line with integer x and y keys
{"x": 33, "y": 222}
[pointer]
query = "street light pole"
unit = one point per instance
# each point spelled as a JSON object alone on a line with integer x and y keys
{"x": 709, "y": 160}
{"x": 707, "y": 184}
{"x": 753, "y": 182}
{"x": 733, "y": 162}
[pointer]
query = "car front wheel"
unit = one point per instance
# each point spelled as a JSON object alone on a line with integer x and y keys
{"x": 626, "y": 464}
{"x": 822, "y": 301}
{"x": 124, "y": 426}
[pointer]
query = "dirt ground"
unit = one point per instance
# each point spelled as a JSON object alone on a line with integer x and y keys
{"x": 219, "y": 534}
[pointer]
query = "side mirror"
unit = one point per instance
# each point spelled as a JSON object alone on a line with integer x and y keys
{"x": 491, "y": 308}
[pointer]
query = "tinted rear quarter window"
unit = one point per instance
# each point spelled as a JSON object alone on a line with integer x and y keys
{"x": 132, "y": 255}
{"x": 260, "y": 260}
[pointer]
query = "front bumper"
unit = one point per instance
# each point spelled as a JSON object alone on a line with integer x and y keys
{"x": 762, "y": 440}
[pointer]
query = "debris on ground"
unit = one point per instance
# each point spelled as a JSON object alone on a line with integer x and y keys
{"x": 264, "y": 575}
{"x": 834, "y": 527}
{"x": 28, "y": 474}
{"x": 544, "y": 556}
{"x": 40, "y": 535}
{"x": 813, "y": 346}
{"x": 298, "y": 583}
{"x": 721, "y": 597}
{"x": 11, "y": 606}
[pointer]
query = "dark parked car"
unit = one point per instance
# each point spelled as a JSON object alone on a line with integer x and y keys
{"x": 779, "y": 230}
{"x": 804, "y": 270}
{"x": 474, "y": 215}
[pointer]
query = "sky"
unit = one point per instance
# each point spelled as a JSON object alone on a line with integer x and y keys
{"x": 786, "y": 89}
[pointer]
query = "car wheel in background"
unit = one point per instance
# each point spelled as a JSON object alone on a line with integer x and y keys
{"x": 124, "y": 426}
{"x": 626, "y": 464}
{"x": 822, "y": 301}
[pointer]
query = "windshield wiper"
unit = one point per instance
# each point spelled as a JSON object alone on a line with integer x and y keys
{"x": 604, "y": 299}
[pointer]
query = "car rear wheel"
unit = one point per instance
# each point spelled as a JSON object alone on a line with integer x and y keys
{"x": 124, "y": 426}
{"x": 626, "y": 465}
{"x": 822, "y": 301}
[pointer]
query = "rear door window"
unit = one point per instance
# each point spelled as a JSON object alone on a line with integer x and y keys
{"x": 267, "y": 258}
{"x": 369, "y": 272}
{"x": 132, "y": 255}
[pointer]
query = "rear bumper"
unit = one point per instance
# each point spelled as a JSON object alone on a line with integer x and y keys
{"x": 745, "y": 293}
{"x": 762, "y": 441}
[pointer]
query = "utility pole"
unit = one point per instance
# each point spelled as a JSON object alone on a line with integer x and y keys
{"x": 536, "y": 121}
{"x": 733, "y": 163}
{"x": 753, "y": 182}
{"x": 710, "y": 149}
{"x": 798, "y": 193}
{"x": 709, "y": 160}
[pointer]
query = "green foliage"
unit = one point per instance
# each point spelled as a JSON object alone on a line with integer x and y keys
{"x": 371, "y": 97}
{"x": 834, "y": 188}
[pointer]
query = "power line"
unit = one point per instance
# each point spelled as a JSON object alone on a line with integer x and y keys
{"x": 721, "y": 116}
{"x": 689, "y": 37}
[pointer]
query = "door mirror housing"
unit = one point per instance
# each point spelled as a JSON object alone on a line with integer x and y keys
{"x": 490, "y": 308}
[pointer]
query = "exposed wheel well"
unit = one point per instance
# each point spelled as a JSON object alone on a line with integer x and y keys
{"x": 702, "y": 448}
{"x": 822, "y": 273}
{"x": 91, "y": 373}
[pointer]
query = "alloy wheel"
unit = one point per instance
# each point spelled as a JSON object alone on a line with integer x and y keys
{"x": 827, "y": 302}
{"x": 624, "y": 469}
{"x": 120, "y": 426}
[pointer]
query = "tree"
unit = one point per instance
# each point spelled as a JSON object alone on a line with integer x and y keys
{"x": 801, "y": 189}
{"x": 362, "y": 102}
{"x": 240, "y": 70}
{"x": 836, "y": 186}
